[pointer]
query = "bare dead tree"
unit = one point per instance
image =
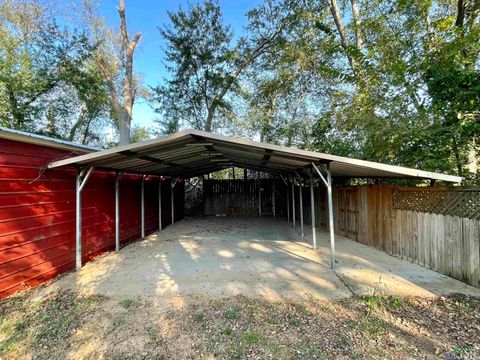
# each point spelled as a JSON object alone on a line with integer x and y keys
{"x": 122, "y": 108}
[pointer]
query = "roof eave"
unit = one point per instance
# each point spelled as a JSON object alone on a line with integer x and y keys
{"x": 390, "y": 171}
{"x": 18, "y": 135}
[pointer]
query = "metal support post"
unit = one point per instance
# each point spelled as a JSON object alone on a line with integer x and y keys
{"x": 293, "y": 204}
{"x": 82, "y": 178}
{"x": 273, "y": 197}
{"x": 330, "y": 217}
{"x": 312, "y": 203}
{"x": 117, "y": 211}
{"x": 260, "y": 198}
{"x": 172, "y": 200}
{"x": 328, "y": 184}
{"x": 142, "y": 214}
{"x": 160, "y": 225}
{"x": 300, "y": 196}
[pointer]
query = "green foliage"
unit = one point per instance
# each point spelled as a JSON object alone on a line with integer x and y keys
{"x": 139, "y": 133}
{"x": 232, "y": 313}
{"x": 50, "y": 82}
{"x": 381, "y": 301}
{"x": 127, "y": 303}
{"x": 201, "y": 58}
{"x": 227, "y": 331}
{"x": 252, "y": 336}
{"x": 199, "y": 317}
{"x": 407, "y": 93}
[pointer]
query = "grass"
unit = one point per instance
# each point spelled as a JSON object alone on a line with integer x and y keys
{"x": 310, "y": 352}
{"x": 45, "y": 322}
{"x": 58, "y": 318}
{"x": 232, "y": 313}
{"x": 252, "y": 336}
{"x": 236, "y": 328}
{"x": 14, "y": 331}
{"x": 372, "y": 327}
{"x": 235, "y": 352}
{"x": 464, "y": 351}
{"x": 227, "y": 331}
{"x": 295, "y": 322}
{"x": 199, "y": 317}
{"x": 381, "y": 301}
{"x": 127, "y": 303}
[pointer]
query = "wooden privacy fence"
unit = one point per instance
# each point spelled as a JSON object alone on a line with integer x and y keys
{"x": 391, "y": 219}
{"x": 240, "y": 197}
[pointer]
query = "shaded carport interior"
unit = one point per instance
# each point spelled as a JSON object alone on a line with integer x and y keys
{"x": 193, "y": 153}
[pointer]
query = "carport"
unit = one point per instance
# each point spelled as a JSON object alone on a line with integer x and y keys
{"x": 193, "y": 153}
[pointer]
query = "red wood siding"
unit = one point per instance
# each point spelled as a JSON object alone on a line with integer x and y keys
{"x": 37, "y": 218}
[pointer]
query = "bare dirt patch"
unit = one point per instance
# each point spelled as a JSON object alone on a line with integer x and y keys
{"x": 65, "y": 324}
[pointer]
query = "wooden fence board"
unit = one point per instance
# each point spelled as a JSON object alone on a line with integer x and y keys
{"x": 420, "y": 233}
{"x": 457, "y": 246}
{"x": 474, "y": 252}
{"x": 440, "y": 236}
{"x": 448, "y": 258}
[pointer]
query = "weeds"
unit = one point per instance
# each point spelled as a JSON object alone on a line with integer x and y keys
{"x": 232, "y": 313}
{"x": 372, "y": 327}
{"x": 295, "y": 322}
{"x": 252, "y": 336}
{"x": 199, "y": 317}
{"x": 381, "y": 301}
{"x": 463, "y": 351}
{"x": 127, "y": 303}
{"x": 227, "y": 331}
{"x": 310, "y": 352}
{"x": 45, "y": 322}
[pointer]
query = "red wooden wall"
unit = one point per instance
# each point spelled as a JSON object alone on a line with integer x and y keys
{"x": 37, "y": 216}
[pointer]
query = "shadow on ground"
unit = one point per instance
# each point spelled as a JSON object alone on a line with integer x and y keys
{"x": 256, "y": 257}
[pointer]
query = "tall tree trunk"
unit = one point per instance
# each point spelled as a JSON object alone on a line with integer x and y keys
{"x": 122, "y": 109}
{"x": 78, "y": 123}
{"x": 460, "y": 14}
{"x": 125, "y": 117}
{"x": 17, "y": 115}
{"x": 456, "y": 153}
{"x": 473, "y": 159}
{"x": 210, "y": 113}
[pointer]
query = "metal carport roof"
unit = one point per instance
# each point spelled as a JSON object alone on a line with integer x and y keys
{"x": 192, "y": 152}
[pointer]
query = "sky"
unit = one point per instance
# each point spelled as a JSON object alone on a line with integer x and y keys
{"x": 145, "y": 16}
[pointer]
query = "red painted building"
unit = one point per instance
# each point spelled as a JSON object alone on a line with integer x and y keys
{"x": 37, "y": 210}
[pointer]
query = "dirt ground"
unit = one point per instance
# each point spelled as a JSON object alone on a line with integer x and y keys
{"x": 245, "y": 288}
{"x": 66, "y": 325}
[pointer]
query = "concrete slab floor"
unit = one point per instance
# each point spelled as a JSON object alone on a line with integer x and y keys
{"x": 258, "y": 257}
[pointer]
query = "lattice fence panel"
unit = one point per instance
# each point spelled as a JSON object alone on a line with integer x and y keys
{"x": 464, "y": 203}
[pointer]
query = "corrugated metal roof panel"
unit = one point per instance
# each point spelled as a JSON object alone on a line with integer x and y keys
{"x": 195, "y": 152}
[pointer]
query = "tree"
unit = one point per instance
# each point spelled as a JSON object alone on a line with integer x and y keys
{"x": 390, "y": 81}
{"x": 122, "y": 101}
{"x": 206, "y": 65}
{"x": 139, "y": 133}
{"x": 49, "y": 82}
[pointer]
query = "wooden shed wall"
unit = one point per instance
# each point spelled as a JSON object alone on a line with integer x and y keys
{"x": 37, "y": 216}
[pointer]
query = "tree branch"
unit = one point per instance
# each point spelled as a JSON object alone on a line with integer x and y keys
{"x": 358, "y": 24}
